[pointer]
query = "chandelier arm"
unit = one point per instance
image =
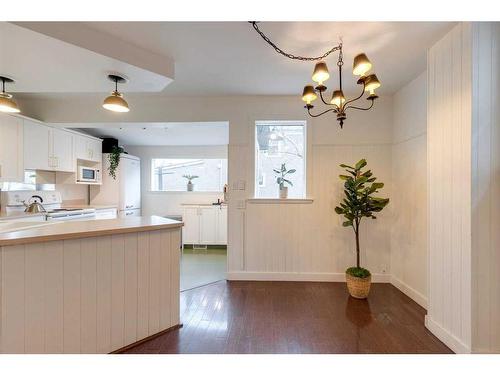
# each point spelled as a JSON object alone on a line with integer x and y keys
{"x": 323, "y": 100}
{"x": 361, "y": 109}
{"x": 289, "y": 55}
{"x": 319, "y": 114}
{"x": 359, "y": 97}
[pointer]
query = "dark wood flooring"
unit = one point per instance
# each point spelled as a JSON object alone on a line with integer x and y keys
{"x": 295, "y": 317}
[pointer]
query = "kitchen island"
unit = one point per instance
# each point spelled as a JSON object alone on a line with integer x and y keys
{"x": 89, "y": 286}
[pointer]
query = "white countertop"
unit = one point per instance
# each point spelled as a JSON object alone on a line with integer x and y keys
{"x": 53, "y": 231}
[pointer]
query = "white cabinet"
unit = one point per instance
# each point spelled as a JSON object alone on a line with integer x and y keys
{"x": 11, "y": 148}
{"x": 47, "y": 148}
{"x": 130, "y": 213}
{"x": 87, "y": 148}
{"x": 36, "y": 146}
{"x": 61, "y": 145}
{"x": 204, "y": 225}
{"x": 191, "y": 229}
{"x": 130, "y": 191}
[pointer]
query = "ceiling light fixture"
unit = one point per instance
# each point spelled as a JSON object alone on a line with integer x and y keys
{"x": 6, "y": 103}
{"x": 115, "y": 101}
{"x": 339, "y": 104}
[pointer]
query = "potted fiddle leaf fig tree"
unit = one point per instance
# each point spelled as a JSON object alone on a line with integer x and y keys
{"x": 281, "y": 180}
{"x": 359, "y": 202}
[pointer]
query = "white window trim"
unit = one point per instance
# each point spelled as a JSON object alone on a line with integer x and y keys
{"x": 279, "y": 122}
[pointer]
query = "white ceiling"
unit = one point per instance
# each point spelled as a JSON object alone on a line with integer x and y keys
{"x": 222, "y": 58}
{"x": 160, "y": 134}
{"x": 218, "y": 58}
{"x": 41, "y": 64}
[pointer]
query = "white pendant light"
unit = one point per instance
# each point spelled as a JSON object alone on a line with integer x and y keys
{"x": 6, "y": 103}
{"x": 115, "y": 101}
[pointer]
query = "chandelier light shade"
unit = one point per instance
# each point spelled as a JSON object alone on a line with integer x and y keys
{"x": 320, "y": 73}
{"x": 308, "y": 95}
{"x": 339, "y": 104}
{"x": 361, "y": 65}
{"x": 7, "y": 104}
{"x": 115, "y": 102}
{"x": 338, "y": 98}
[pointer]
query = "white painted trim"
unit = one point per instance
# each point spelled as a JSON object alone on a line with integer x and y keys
{"x": 299, "y": 276}
{"x": 446, "y": 337}
{"x": 409, "y": 291}
{"x": 280, "y": 201}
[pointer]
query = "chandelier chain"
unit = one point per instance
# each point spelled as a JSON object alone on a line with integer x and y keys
{"x": 289, "y": 55}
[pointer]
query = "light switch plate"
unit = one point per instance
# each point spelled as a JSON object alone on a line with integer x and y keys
{"x": 241, "y": 185}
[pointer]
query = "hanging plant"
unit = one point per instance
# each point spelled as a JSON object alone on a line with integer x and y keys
{"x": 114, "y": 160}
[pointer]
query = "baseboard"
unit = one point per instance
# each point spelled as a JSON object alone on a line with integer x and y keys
{"x": 409, "y": 291}
{"x": 446, "y": 337}
{"x": 299, "y": 276}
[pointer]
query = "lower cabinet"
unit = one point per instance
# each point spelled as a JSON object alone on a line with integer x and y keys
{"x": 204, "y": 225}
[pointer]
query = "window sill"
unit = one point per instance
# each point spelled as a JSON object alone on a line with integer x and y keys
{"x": 280, "y": 201}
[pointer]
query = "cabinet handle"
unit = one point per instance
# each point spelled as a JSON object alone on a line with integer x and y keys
{"x": 128, "y": 213}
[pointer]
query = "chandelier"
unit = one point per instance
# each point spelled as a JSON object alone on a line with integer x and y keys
{"x": 338, "y": 103}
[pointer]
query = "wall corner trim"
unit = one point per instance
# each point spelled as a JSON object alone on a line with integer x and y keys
{"x": 446, "y": 337}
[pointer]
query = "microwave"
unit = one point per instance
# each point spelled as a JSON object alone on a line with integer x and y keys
{"x": 88, "y": 174}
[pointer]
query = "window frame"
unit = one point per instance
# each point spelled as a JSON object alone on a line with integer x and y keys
{"x": 280, "y": 122}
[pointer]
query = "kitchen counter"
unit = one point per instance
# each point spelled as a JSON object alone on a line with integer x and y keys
{"x": 93, "y": 286}
{"x": 204, "y": 204}
{"x": 82, "y": 229}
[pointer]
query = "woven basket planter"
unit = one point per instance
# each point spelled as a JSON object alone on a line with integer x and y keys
{"x": 358, "y": 287}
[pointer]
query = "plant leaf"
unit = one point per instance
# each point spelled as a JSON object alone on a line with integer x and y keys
{"x": 360, "y": 164}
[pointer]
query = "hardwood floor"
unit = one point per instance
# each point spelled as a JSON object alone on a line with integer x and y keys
{"x": 295, "y": 317}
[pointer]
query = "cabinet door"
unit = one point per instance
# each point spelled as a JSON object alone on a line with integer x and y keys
{"x": 62, "y": 150}
{"x": 191, "y": 228}
{"x": 81, "y": 147}
{"x": 208, "y": 225}
{"x": 95, "y": 148}
{"x": 222, "y": 226}
{"x": 36, "y": 146}
{"x": 130, "y": 183}
{"x": 11, "y": 149}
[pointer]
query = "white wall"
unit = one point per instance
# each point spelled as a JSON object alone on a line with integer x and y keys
{"x": 316, "y": 247}
{"x": 409, "y": 190}
{"x": 486, "y": 188}
{"x": 169, "y": 203}
{"x": 449, "y": 188}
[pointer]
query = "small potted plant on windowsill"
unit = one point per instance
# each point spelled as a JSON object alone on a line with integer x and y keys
{"x": 281, "y": 180}
{"x": 359, "y": 202}
{"x": 190, "y": 178}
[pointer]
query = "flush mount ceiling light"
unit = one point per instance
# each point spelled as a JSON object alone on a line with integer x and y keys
{"x": 115, "y": 101}
{"x": 338, "y": 104}
{"x": 6, "y": 103}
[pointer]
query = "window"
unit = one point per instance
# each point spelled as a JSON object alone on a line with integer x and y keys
{"x": 167, "y": 174}
{"x": 277, "y": 143}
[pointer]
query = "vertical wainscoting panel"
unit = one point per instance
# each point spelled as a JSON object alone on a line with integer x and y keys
{"x": 89, "y": 295}
{"x": 486, "y": 188}
{"x": 104, "y": 294}
{"x": 53, "y": 304}
{"x": 117, "y": 292}
{"x": 165, "y": 286}
{"x": 34, "y": 297}
{"x": 130, "y": 286}
{"x": 154, "y": 281}
{"x": 13, "y": 307}
{"x": 449, "y": 192}
{"x": 174, "y": 281}
{"x": 143, "y": 285}
{"x": 72, "y": 295}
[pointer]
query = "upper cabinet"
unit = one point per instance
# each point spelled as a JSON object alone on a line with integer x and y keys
{"x": 11, "y": 149}
{"x": 47, "y": 148}
{"x": 87, "y": 148}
